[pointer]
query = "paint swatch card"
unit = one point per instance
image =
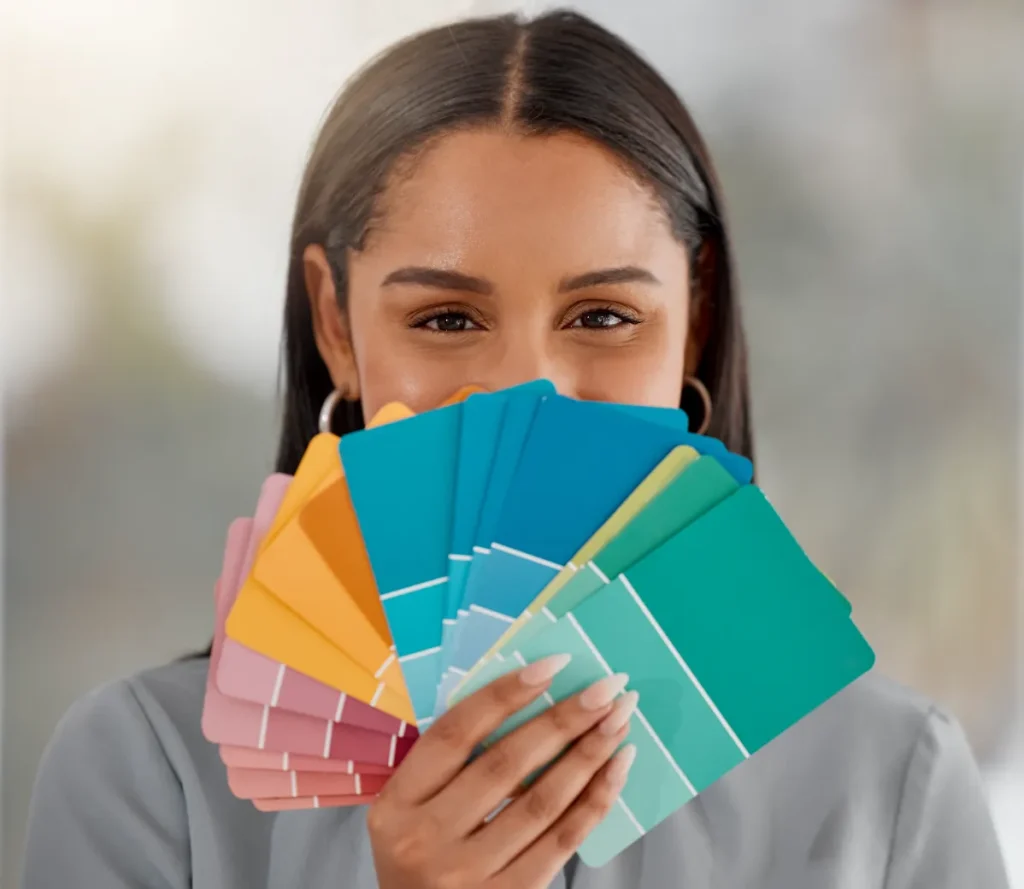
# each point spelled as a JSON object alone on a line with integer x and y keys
{"x": 263, "y": 623}
{"x": 580, "y": 461}
{"x": 238, "y": 721}
{"x": 332, "y": 593}
{"x": 483, "y": 419}
{"x": 268, "y": 731}
{"x": 516, "y": 425}
{"x": 407, "y": 565}
{"x": 650, "y": 489}
{"x": 402, "y": 481}
{"x": 725, "y": 652}
{"x": 254, "y": 784}
{"x": 249, "y": 758}
{"x": 246, "y": 675}
{"x": 697, "y": 486}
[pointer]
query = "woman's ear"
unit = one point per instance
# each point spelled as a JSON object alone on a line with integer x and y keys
{"x": 700, "y": 312}
{"x": 330, "y": 324}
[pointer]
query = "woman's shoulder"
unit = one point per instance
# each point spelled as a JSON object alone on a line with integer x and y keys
{"x": 878, "y": 785}
{"x": 876, "y": 733}
{"x": 136, "y": 732}
{"x": 157, "y": 709}
{"x": 123, "y": 783}
{"x": 873, "y": 712}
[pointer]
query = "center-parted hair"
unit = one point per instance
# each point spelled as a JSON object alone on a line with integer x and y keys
{"x": 560, "y": 72}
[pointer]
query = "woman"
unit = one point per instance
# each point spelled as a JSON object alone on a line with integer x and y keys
{"x": 490, "y": 203}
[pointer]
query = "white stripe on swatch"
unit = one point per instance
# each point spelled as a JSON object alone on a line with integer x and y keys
{"x": 415, "y": 588}
{"x": 327, "y": 739}
{"x": 519, "y": 554}
{"x": 629, "y": 814}
{"x": 686, "y": 667}
{"x": 405, "y": 658}
{"x": 643, "y": 719}
{"x": 388, "y": 661}
{"x": 275, "y": 696}
{"x": 262, "y": 742}
{"x": 661, "y": 746}
{"x": 487, "y": 612}
{"x": 376, "y": 695}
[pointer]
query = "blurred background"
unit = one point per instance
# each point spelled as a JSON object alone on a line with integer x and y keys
{"x": 871, "y": 155}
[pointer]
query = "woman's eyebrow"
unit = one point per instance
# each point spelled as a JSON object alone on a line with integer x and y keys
{"x": 439, "y": 279}
{"x": 629, "y": 274}
{"x": 445, "y": 279}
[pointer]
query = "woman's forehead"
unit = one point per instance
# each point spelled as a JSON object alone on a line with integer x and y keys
{"x": 483, "y": 190}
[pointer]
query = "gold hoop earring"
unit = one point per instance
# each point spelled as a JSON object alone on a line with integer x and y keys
{"x": 327, "y": 410}
{"x": 705, "y": 398}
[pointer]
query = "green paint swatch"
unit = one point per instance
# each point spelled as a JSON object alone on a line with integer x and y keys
{"x": 729, "y": 634}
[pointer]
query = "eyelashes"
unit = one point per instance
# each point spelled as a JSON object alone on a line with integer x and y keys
{"x": 450, "y": 320}
{"x": 447, "y": 320}
{"x": 604, "y": 318}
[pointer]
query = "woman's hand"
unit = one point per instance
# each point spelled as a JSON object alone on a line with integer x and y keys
{"x": 429, "y": 829}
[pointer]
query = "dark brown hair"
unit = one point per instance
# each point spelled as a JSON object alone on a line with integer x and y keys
{"x": 559, "y": 72}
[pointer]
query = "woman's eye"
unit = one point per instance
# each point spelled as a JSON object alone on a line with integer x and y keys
{"x": 449, "y": 322}
{"x": 599, "y": 318}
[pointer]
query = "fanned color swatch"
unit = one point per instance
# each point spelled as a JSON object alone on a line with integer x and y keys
{"x": 407, "y": 565}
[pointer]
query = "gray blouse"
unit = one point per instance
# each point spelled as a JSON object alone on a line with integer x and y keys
{"x": 876, "y": 788}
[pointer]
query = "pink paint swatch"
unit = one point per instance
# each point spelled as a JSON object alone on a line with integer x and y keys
{"x": 246, "y": 675}
{"x": 242, "y": 723}
{"x": 249, "y": 676}
{"x": 259, "y": 784}
{"x": 247, "y": 758}
{"x": 312, "y": 802}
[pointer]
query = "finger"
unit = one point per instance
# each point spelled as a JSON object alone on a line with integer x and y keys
{"x": 542, "y": 861}
{"x": 525, "y": 819}
{"x": 442, "y": 751}
{"x": 494, "y": 775}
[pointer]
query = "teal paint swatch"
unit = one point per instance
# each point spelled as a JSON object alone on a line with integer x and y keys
{"x": 729, "y": 634}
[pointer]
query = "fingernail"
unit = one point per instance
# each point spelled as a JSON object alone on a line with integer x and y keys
{"x": 603, "y": 692}
{"x": 620, "y": 714}
{"x": 541, "y": 671}
{"x": 621, "y": 763}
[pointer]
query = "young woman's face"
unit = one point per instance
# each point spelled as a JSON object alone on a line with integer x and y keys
{"x": 501, "y": 259}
